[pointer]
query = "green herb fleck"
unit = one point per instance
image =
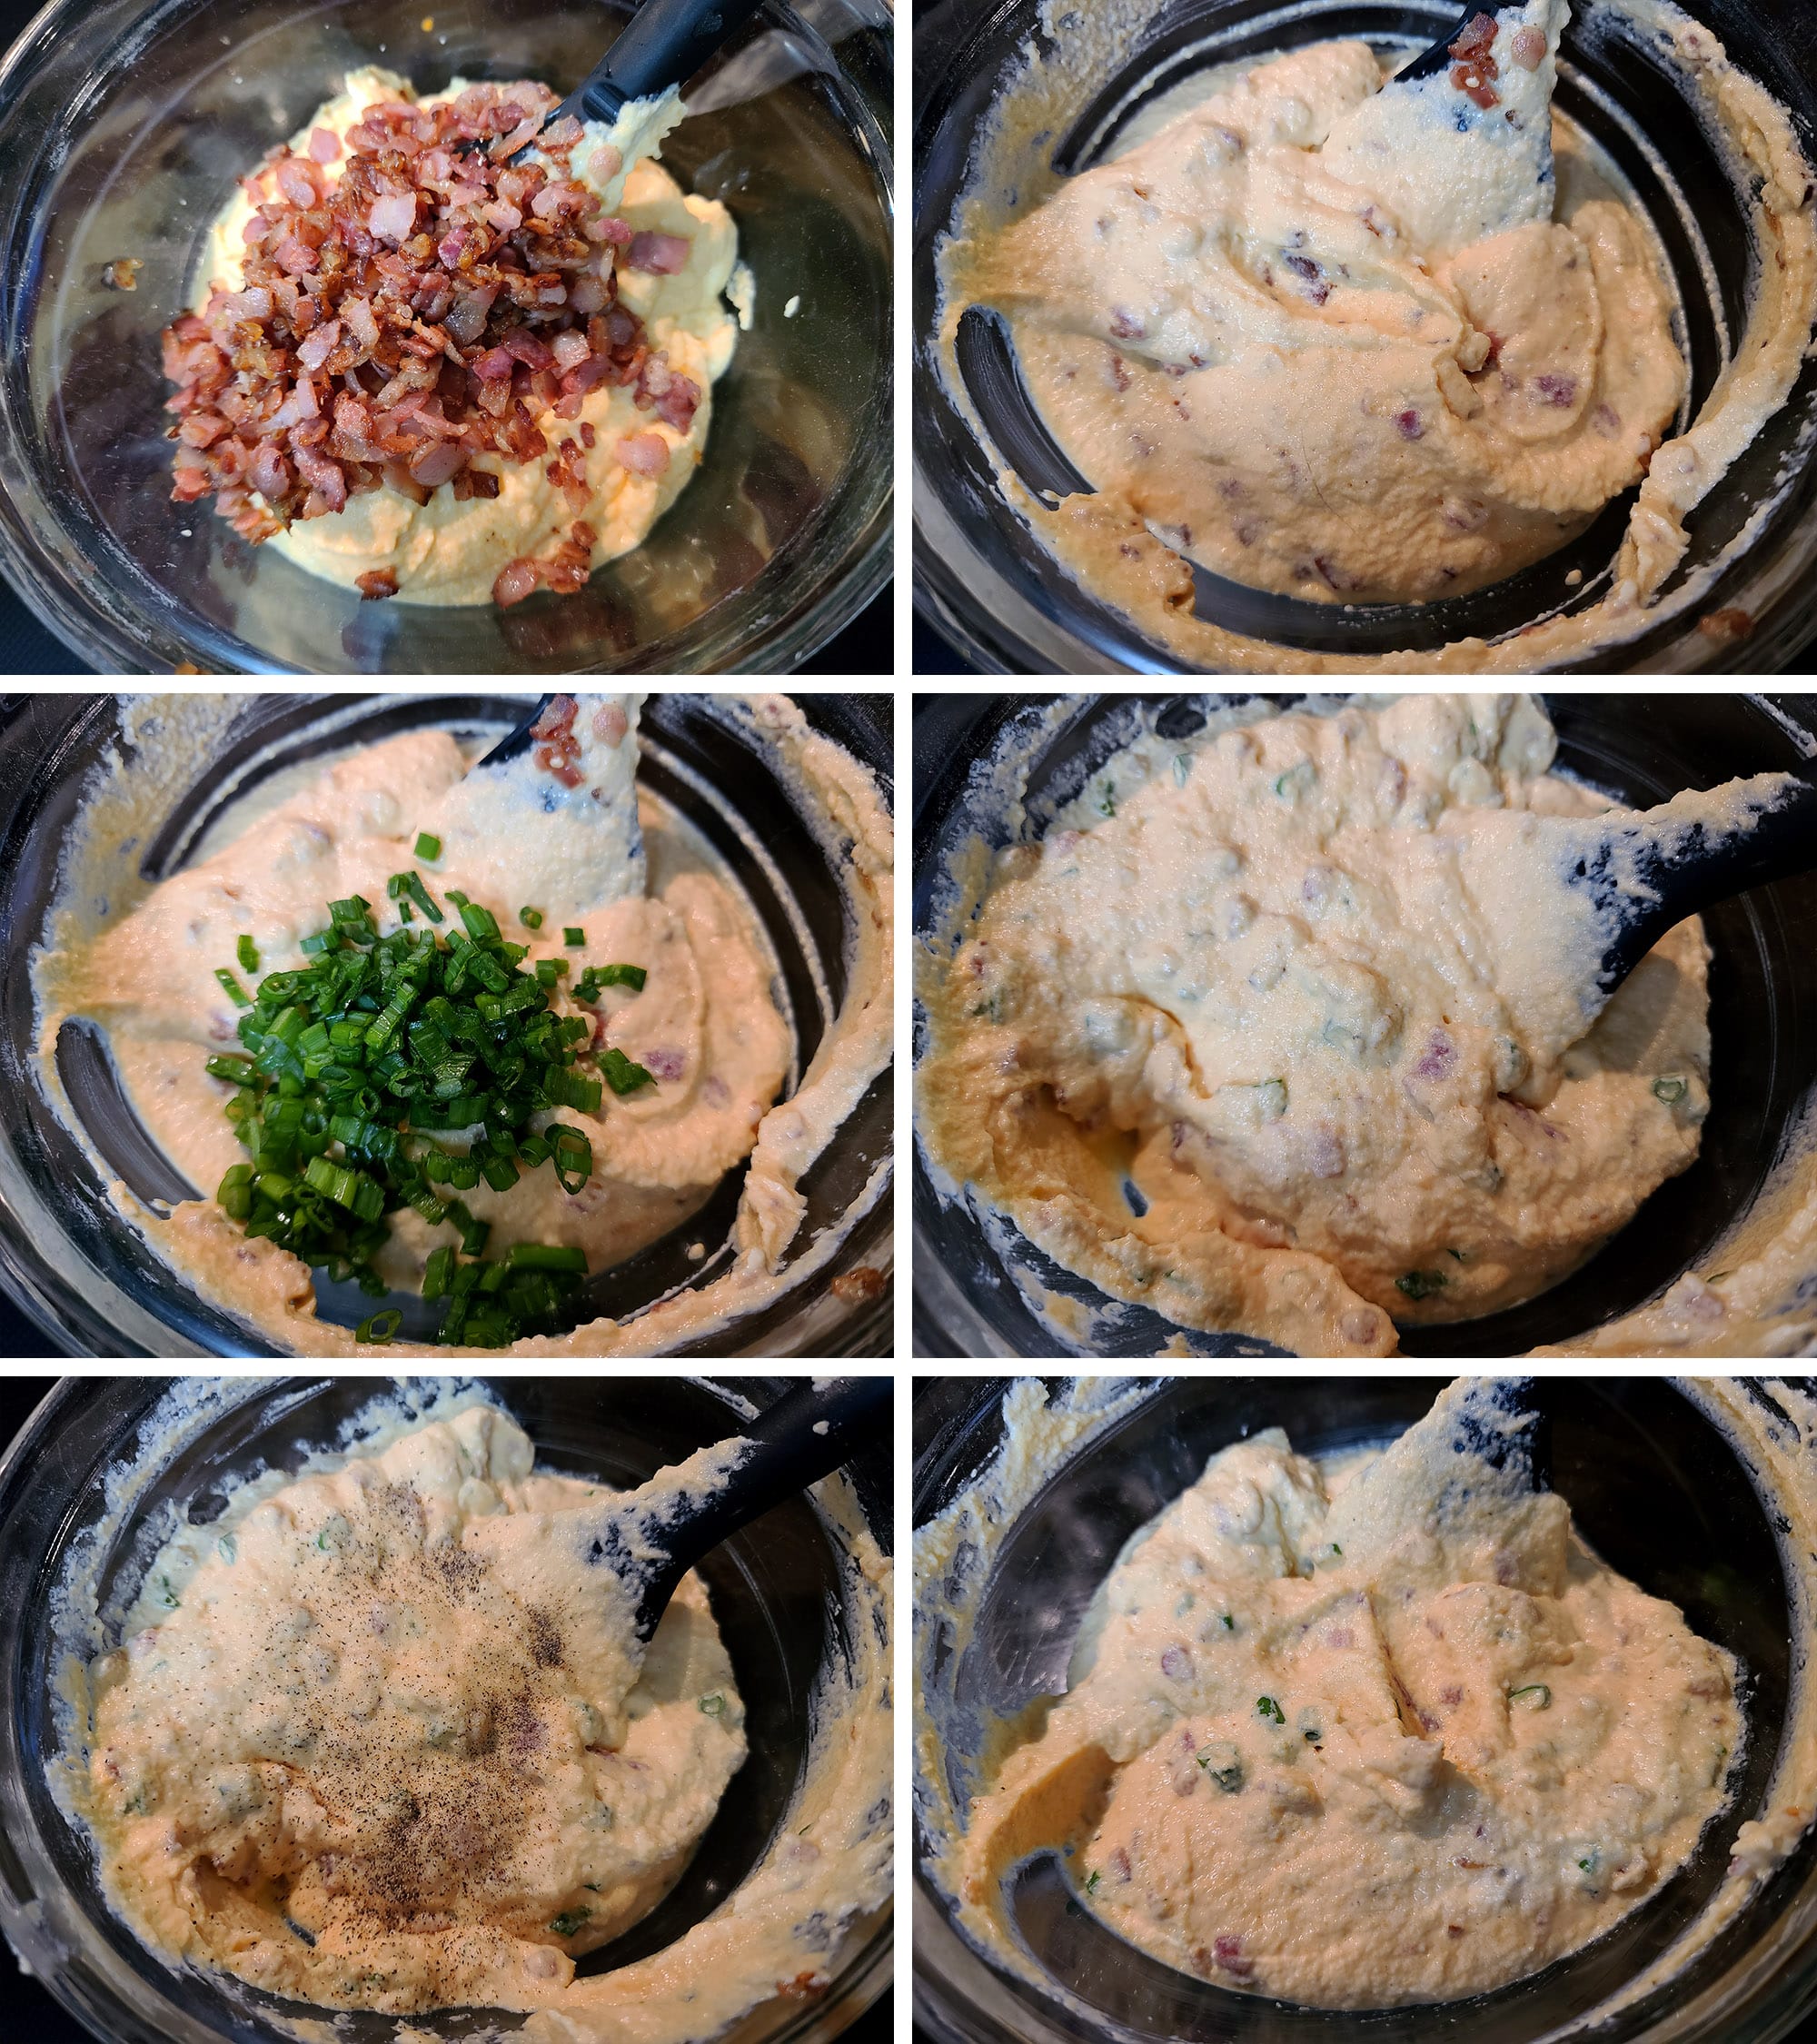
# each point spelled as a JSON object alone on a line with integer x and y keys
{"x": 380, "y": 1327}
{"x": 1670, "y": 1090}
{"x": 531, "y": 918}
{"x": 1266, "y": 1707}
{"x": 569, "y": 1922}
{"x": 1229, "y": 1622}
{"x": 621, "y": 1074}
{"x": 227, "y": 1547}
{"x": 235, "y": 993}
{"x": 1421, "y": 1284}
{"x": 427, "y": 847}
{"x": 714, "y": 1706}
{"x": 1183, "y": 768}
{"x": 247, "y": 952}
{"x": 1224, "y": 1763}
{"x": 1107, "y": 800}
{"x": 573, "y": 939}
{"x": 1092, "y": 1881}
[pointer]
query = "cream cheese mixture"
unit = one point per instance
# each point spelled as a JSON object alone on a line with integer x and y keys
{"x": 704, "y": 1025}
{"x": 1278, "y": 1029}
{"x": 375, "y": 1737}
{"x": 1352, "y": 342}
{"x": 1359, "y": 1735}
{"x": 450, "y": 548}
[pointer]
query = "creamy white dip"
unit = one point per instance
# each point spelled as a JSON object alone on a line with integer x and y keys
{"x": 142, "y": 963}
{"x": 1278, "y": 1029}
{"x": 373, "y": 1739}
{"x": 1356, "y": 1735}
{"x": 1340, "y": 342}
{"x": 450, "y": 551}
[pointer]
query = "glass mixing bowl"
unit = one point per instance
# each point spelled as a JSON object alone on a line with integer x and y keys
{"x": 1762, "y": 1019}
{"x": 779, "y": 1596}
{"x": 1657, "y": 1489}
{"x": 85, "y": 1274}
{"x": 1008, "y": 605}
{"x": 123, "y": 127}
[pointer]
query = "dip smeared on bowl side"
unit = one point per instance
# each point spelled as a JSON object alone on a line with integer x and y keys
{"x": 420, "y": 370}
{"x": 1272, "y": 1029}
{"x": 1303, "y": 333}
{"x": 703, "y": 1029}
{"x": 1397, "y": 1738}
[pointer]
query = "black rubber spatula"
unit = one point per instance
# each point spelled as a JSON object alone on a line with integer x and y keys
{"x": 805, "y": 1435}
{"x": 667, "y": 43}
{"x": 1684, "y": 870}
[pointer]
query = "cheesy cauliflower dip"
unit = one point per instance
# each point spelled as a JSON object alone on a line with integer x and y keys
{"x": 1356, "y": 1734}
{"x": 1278, "y": 1028}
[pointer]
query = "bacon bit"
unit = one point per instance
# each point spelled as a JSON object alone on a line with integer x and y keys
{"x": 643, "y": 453}
{"x": 514, "y": 582}
{"x": 123, "y": 274}
{"x": 377, "y": 583}
{"x": 663, "y": 1064}
{"x": 410, "y": 301}
{"x": 1558, "y": 390}
{"x": 1227, "y": 1954}
{"x": 1731, "y": 623}
{"x": 859, "y": 1287}
{"x": 559, "y": 748}
{"x": 1476, "y": 39}
{"x": 610, "y": 724}
{"x": 1124, "y": 325}
{"x": 1410, "y": 425}
{"x": 662, "y": 256}
{"x": 1527, "y": 47}
{"x": 1309, "y": 272}
{"x": 1470, "y": 81}
{"x": 804, "y": 1987}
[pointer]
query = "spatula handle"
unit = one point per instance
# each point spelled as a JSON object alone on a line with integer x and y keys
{"x": 807, "y": 1434}
{"x": 1700, "y": 870}
{"x": 667, "y": 43}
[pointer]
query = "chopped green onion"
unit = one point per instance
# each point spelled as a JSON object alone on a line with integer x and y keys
{"x": 236, "y": 993}
{"x": 573, "y": 939}
{"x": 568, "y": 1089}
{"x": 622, "y": 1075}
{"x": 405, "y": 888}
{"x": 1669, "y": 1090}
{"x": 1266, "y": 1707}
{"x": 531, "y": 918}
{"x": 381, "y": 1327}
{"x": 1421, "y": 1284}
{"x": 588, "y": 985}
{"x": 235, "y": 1192}
{"x": 1532, "y": 1696}
{"x": 544, "y": 1255}
{"x": 438, "y": 1273}
{"x": 714, "y": 1706}
{"x": 247, "y": 953}
{"x": 569, "y": 1922}
{"x": 428, "y": 847}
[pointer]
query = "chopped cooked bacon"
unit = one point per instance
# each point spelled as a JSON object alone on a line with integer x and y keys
{"x": 662, "y": 254}
{"x": 377, "y": 582}
{"x": 610, "y": 724}
{"x": 1527, "y": 47}
{"x": 1476, "y": 38}
{"x": 518, "y": 579}
{"x": 643, "y": 453}
{"x": 410, "y": 299}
